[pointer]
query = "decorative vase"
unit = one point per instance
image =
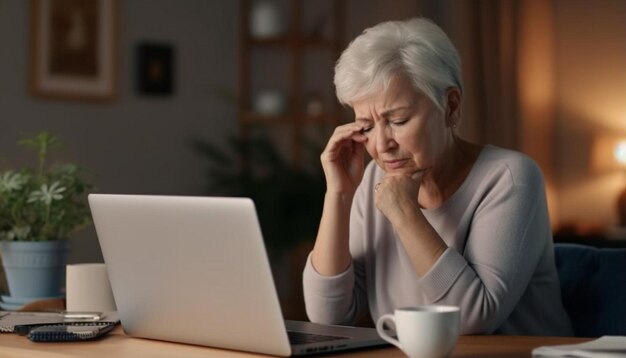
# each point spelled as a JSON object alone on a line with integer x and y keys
{"x": 266, "y": 20}
{"x": 270, "y": 102}
{"x": 34, "y": 269}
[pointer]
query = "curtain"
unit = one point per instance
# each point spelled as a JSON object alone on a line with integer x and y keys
{"x": 507, "y": 55}
{"x": 484, "y": 33}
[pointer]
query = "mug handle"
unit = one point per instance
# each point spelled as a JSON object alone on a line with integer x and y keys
{"x": 381, "y": 330}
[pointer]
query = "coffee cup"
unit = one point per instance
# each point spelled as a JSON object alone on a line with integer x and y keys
{"x": 429, "y": 331}
{"x": 88, "y": 288}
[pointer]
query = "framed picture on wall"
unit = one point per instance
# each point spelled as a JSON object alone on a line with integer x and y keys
{"x": 154, "y": 69}
{"x": 73, "y": 49}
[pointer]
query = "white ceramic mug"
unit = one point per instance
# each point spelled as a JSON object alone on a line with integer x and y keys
{"x": 88, "y": 288}
{"x": 423, "y": 331}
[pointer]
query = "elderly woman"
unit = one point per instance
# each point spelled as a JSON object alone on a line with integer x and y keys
{"x": 432, "y": 219}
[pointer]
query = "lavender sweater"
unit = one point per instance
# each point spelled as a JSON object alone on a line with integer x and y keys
{"x": 499, "y": 265}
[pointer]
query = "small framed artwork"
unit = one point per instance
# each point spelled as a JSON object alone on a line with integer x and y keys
{"x": 73, "y": 49}
{"x": 154, "y": 69}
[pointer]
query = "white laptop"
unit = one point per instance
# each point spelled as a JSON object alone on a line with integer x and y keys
{"x": 195, "y": 270}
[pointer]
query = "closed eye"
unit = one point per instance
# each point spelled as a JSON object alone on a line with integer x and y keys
{"x": 399, "y": 122}
{"x": 366, "y": 129}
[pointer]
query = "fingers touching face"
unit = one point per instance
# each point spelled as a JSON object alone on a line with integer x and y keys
{"x": 405, "y": 131}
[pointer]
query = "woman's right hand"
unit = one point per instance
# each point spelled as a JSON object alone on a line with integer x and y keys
{"x": 343, "y": 159}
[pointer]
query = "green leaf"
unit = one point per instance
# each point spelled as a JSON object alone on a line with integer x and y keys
{"x": 52, "y": 203}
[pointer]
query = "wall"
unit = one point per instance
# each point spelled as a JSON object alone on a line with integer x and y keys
{"x": 362, "y": 14}
{"x": 590, "y": 88}
{"x": 134, "y": 144}
{"x": 570, "y": 95}
{"x": 138, "y": 144}
{"x": 536, "y": 63}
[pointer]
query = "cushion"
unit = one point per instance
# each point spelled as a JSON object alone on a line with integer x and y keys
{"x": 593, "y": 288}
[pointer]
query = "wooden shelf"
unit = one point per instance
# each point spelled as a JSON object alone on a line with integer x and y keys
{"x": 258, "y": 119}
{"x": 293, "y": 46}
{"x": 329, "y": 118}
{"x": 252, "y": 118}
{"x": 310, "y": 41}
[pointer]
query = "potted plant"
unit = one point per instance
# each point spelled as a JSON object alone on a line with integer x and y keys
{"x": 288, "y": 197}
{"x": 39, "y": 209}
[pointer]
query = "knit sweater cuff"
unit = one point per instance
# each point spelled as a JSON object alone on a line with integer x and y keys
{"x": 328, "y": 286}
{"x": 443, "y": 274}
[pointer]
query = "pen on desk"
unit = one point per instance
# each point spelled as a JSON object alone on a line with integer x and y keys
{"x": 82, "y": 315}
{"x": 64, "y": 314}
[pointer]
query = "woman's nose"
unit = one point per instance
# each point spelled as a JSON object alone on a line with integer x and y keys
{"x": 384, "y": 139}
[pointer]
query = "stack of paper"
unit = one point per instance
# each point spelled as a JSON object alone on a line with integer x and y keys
{"x": 603, "y": 347}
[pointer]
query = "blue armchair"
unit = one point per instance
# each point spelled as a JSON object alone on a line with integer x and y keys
{"x": 593, "y": 288}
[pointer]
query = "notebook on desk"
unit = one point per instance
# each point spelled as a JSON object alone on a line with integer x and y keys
{"x": 195, "y": 270}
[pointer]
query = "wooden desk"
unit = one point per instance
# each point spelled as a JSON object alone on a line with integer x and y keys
{"x": 117, "y": 345}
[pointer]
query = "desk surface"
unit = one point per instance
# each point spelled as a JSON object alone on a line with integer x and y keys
{"x": 117, "y": 344}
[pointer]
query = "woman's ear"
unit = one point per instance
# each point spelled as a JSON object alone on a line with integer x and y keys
{"x": 453, "y": 107}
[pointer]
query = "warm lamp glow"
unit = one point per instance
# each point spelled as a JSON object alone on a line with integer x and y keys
{"x": 620, "y": 152}
{"x": 608, "y": 154}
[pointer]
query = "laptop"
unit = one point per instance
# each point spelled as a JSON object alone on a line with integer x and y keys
{"x": 195, "y": 270}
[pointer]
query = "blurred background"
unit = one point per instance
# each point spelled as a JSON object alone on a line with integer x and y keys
{"x": 225, "y": 97}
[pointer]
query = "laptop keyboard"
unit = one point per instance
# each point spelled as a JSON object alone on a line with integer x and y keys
{"x": 303, "y": 338}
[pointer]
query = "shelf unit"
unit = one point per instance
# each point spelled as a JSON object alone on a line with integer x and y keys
{"x": 292, "y": 48}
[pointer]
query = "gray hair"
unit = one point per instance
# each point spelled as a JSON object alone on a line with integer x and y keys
{"x": 417, "y": 48}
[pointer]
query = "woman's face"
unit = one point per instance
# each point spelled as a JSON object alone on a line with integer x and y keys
{"x": 406, "y": 132}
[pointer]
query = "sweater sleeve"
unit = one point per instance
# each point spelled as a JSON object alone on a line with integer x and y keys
{"x": 505, "y": 242}
{"x": 330, "y": 299}
{"x": 341, "y": 299}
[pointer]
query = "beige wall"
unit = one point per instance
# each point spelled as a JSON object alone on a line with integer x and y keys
{"x": 570, "y": 95}
{"x": 590, "y": 69}
{"x": 536, "y": 91}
